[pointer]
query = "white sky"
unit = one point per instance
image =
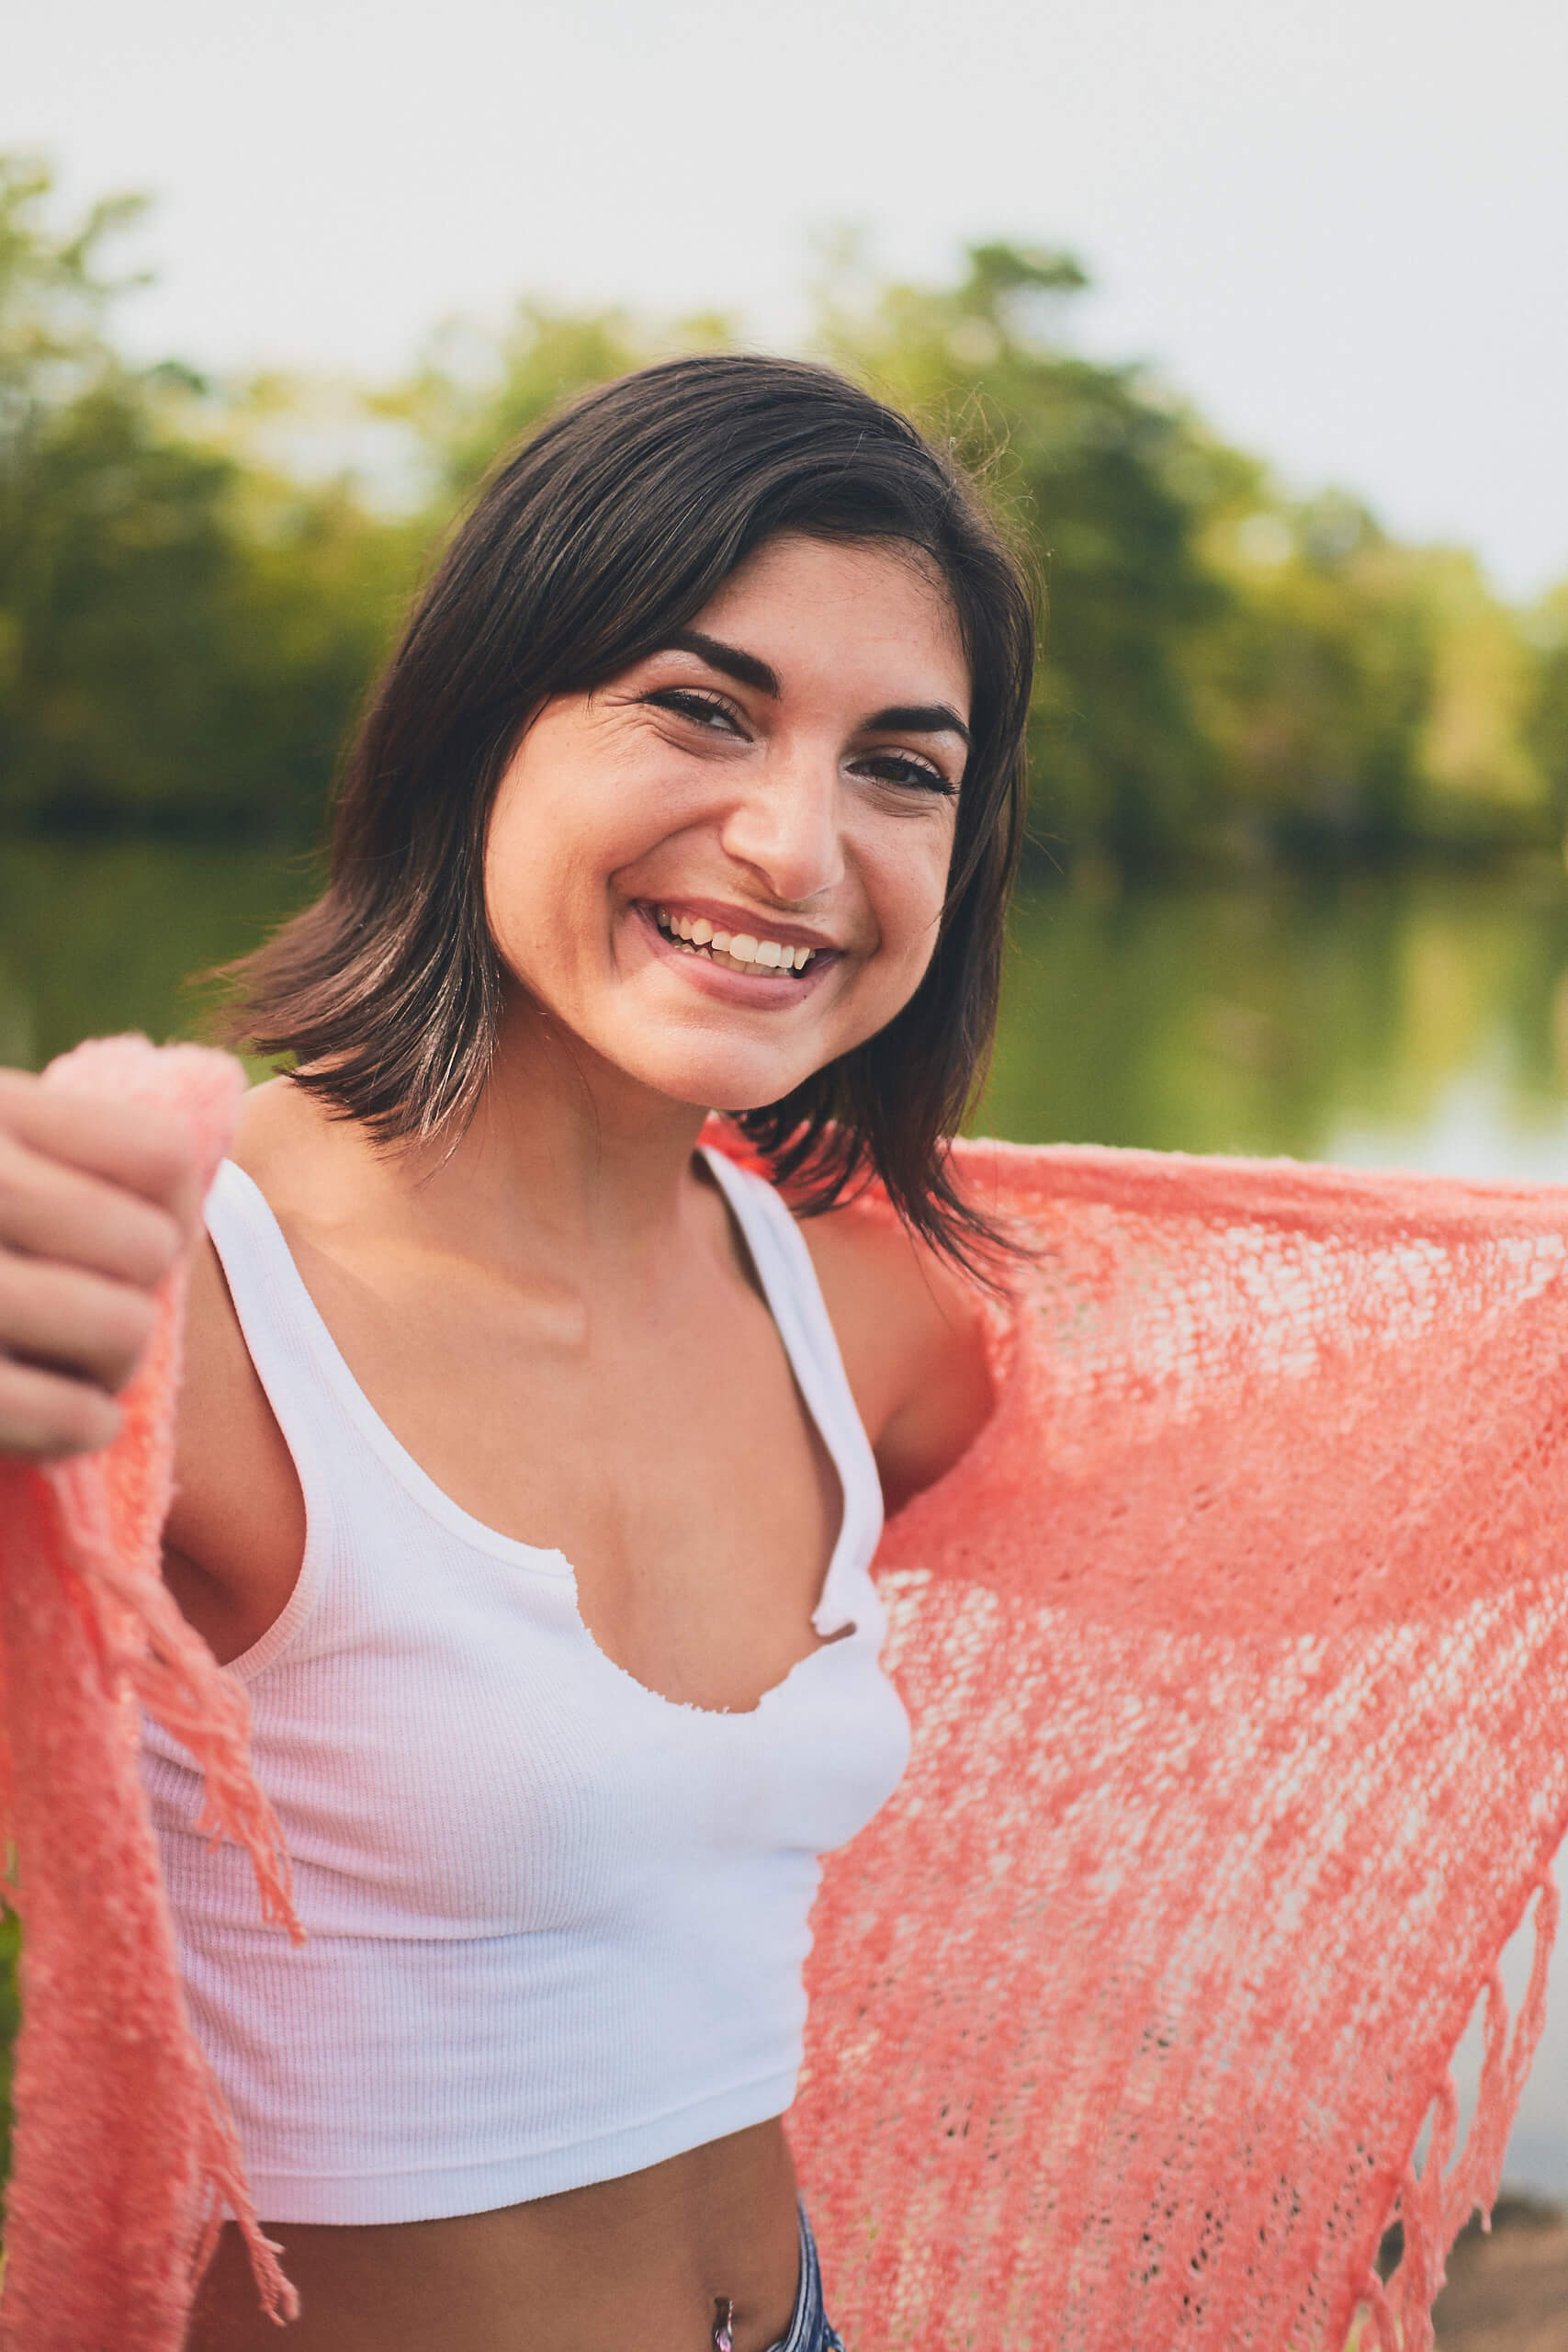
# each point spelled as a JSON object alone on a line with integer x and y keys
{"x": 1341, "y": 225}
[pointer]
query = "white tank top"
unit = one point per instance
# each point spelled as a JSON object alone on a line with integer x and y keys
{"x": 555, "y": 1923}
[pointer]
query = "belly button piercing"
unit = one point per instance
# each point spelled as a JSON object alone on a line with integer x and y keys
{"x": 724, "y": 2312}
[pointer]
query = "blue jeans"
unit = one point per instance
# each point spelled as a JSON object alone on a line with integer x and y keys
{"x": 811, "y": 2330}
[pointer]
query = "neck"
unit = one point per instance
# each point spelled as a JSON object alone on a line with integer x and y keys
{"x": 599, "y": 1158}
{"x": 567, "y": 1163}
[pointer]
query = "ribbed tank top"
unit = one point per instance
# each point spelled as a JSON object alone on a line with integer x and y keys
{"x": 556, "y": 1922}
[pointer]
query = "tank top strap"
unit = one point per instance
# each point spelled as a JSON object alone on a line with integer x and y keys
{"x": 292, "y": 1351}
{"x": 789, "y": 1283}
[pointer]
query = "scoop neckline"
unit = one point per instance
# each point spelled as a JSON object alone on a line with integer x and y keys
{"x": 434, "y": 1498}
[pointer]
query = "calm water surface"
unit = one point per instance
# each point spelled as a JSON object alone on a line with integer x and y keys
{"x": 1422, "y": 1023}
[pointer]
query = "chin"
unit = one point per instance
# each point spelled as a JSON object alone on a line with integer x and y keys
{"x": 725, "y": 1081}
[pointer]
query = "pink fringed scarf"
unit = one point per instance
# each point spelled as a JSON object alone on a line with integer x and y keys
{"x": 1237, "y": 1650}
{"x": 124, "y": 2155}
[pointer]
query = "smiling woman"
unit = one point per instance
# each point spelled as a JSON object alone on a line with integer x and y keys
{"x": 529, "y": 1466}
{"x": 592, "y": 557}
{"x": 791, "y": 813}
{"x": 531, "y": 1458}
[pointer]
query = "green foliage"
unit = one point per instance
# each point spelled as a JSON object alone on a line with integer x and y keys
{"x": 1317, "y": 681}
{"x": 1545, "y": 730}
{"x": 1105, "y": 483}
{"x": 473, "y": 397}
{"x": 182, "y": 632}
{"x": 190, "y": 607}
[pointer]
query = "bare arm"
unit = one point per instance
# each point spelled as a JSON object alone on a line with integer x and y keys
{"x": 911, "y": 1333}
{"x": 236, "y": 1532}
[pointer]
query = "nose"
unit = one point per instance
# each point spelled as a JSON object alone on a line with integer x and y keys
{"x": 786, "y": 826}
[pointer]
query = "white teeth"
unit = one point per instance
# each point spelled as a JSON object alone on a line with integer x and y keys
{"x": 739, "y": 947}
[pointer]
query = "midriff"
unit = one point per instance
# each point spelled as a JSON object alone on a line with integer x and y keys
{"x": 633, "y": 2265}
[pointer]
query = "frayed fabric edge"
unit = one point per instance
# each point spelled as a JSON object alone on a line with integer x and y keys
{"x": 160, "y": 1657}
{"x": 1433, "y": 2206}
{"x": 143, "y": 1647}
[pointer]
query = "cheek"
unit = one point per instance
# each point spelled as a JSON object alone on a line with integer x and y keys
{"x": 911, "y": 891}
{"x": 514, "y": 908}
{"x": 543, "y": 852}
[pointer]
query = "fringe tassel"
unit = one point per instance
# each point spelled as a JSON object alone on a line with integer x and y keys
{"x": 159, "y": 1657}
{"x": 225, "y": 2171}
{"x": 1434, "y": 2205}
{"x": 174, "y": 1673}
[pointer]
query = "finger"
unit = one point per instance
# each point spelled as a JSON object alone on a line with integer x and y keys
{"x": 51, "y": 1210}
{"x": 146, "y": 1150}
{"x": 64, "y": 1320}
{"x": 44, "y": 1415}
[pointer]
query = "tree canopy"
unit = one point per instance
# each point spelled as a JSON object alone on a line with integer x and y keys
{"x": 197, "y": 579}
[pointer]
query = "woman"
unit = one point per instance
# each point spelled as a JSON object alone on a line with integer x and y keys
{"x": 529, "y": 1456}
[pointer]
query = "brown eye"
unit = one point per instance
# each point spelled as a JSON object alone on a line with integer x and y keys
{"x": 897, "y": 767}
{"x": 690, "y": 702}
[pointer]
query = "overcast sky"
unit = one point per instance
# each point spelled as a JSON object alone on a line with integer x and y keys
{"x": 1340, "y": 225}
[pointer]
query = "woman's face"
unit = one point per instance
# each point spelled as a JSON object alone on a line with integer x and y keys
{"x": 725, "y": 867}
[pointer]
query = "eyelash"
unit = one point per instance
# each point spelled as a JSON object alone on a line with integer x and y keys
{"x": 916, "y": 773}
{"x": 690, "y": 702}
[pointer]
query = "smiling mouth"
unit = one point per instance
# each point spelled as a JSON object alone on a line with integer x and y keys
{"x": 733, "y": 951}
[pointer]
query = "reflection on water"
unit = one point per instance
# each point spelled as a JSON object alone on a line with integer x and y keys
{"x": 100, "y": 938}
{"x": 1420, "y": 1023}
{"x": 1424, "y": 1019}
{"x": 1323, "y": 1022}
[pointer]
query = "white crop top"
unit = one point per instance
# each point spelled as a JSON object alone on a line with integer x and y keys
{"x": 555, "y": 1923}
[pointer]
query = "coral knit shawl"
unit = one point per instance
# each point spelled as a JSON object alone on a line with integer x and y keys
{"x": 1237, "y": 1654}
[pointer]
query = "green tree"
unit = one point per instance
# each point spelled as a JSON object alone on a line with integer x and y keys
{"x": 182, "y": 633}
{"x": 1316, "y": 681}
{"x": 189, "y": 607}
{"x": 1107, "y": 484}
{"x": 473, "y": 396}
{"x": 1546, "y": 632}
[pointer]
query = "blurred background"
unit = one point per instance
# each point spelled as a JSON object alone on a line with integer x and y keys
{"x": 1253, "y": 317}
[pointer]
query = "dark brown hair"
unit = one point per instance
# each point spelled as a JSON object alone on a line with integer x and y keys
{"x": 590, "y": 545}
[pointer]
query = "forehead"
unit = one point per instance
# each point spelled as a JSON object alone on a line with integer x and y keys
{"x": 816, "y": 608}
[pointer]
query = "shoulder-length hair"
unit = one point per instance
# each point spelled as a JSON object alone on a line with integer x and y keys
{"x": 589, "y": 546}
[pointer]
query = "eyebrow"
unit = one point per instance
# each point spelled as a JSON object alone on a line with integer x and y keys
{"x": 748, "y": 670}
{"x": 744, "y": 668}
{"x": 921, "y": 719}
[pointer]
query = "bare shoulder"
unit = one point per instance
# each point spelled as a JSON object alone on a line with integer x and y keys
{"x": 236, "y": 1530}
{"x": 911, "y": 1332}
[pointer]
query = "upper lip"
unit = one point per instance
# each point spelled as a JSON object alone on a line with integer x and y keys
{"x": 745, "y": 919}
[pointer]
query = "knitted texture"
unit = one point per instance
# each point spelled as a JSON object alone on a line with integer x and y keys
{"x": 1237, "y": 1654}
{"x": 124, "y": 2157}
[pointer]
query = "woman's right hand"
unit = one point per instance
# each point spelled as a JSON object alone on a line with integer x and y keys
{"x": 98, "y": 1199}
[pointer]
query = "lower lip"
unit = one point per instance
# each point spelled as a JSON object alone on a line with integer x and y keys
{"x": 765, "y": 992}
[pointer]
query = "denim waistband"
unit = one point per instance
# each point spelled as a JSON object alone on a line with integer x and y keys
{"x": 809, "y": 2328}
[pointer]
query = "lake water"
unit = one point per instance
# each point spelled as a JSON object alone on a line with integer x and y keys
{"x": 1418, "y": 1023}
